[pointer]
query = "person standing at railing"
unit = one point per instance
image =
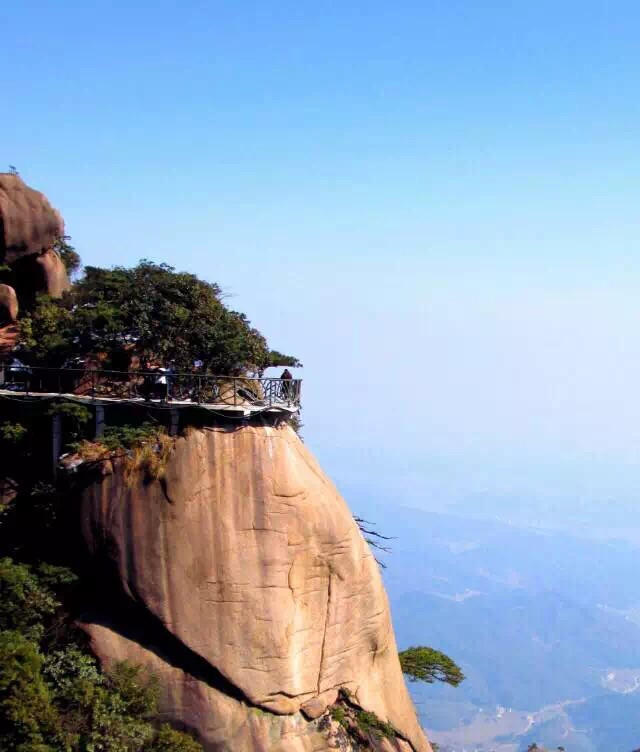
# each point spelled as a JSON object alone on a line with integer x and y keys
{"x": 154, "y": 385}
{"x": 169, "y": 373}
{"x": 162, "y": 383}
{"x": 18, "y": 373}
{"x": 287, "y": 387}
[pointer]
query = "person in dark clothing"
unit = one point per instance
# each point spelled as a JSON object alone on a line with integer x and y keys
{"x": 287, "y": 386}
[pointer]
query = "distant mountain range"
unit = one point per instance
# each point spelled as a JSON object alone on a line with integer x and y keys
{"x": 543, "y": 624}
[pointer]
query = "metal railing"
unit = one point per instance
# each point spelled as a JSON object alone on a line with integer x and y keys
{"x": 159, "y": 386}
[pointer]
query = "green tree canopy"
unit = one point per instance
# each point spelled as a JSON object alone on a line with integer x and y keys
{"x": 53, "y": 694}
{"x": 28, "y": 720}
{"x": 149, "y": 310}
{"x": 429, "y": 665}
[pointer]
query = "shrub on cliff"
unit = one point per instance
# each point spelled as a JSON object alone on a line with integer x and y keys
{"x": 150, "y": 311}
{"x": 170, "y": 740}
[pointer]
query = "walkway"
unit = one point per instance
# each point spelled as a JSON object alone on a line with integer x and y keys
{"x": 246, "y": 396}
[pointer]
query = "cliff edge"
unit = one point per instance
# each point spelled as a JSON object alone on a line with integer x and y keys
{"x": 241, "y": 579}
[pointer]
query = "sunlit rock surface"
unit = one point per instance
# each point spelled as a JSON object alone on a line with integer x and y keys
{"x": 28, "y": 222}
{"x": 242, "y": 579}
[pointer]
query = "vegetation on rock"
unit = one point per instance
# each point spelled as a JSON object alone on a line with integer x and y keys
{"x": 73, "y": 419}
{"x": 362, "y": 727}
{"x": 68, "y": 254}
{"x": 429, "y": 665}
{"x": 145, "y": 449}
{"x": 149, "y": 311}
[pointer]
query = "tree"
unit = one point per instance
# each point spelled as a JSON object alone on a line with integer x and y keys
{"x": 150, "y": 311}
{"x": 24, "y": 603}
{"x": 53, "y": 694}
{"x": 28, "y": 720}
{"x": 286, "y": 361}
{"x": 429, "y": 665}
{"x": 373, "y": 538}
{"x": 170, "y": 740}
{"x": 68, "y": 254}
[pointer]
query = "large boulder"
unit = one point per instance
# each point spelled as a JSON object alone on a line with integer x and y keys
{"x": 243, "y": 581}
{"x": 28, "y": 222}
{"x": 50, "y": 274}
{"x": 8, "y": 304}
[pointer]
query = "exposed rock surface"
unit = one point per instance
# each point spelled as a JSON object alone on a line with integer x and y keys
{"x": 9, "y": 335}
{"x": 50, "y": 275}
{"x": 8, "y": 304}
{"x": 28, "y": 222}
{"x": 29, "y": 228}
{"x": 255, "y": 596}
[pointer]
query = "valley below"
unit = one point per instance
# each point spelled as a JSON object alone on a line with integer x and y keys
{"x": 543, "y": 624}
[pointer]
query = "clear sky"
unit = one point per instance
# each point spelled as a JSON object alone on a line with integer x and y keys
{"x": 434, "y": 204}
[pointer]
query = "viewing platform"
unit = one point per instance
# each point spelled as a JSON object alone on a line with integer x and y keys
{"x": 233, "y": 395}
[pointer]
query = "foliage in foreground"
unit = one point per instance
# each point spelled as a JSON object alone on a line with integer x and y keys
{"x": 53, "y": 695}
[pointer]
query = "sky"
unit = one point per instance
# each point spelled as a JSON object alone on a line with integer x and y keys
{"x": 432, "y": 204}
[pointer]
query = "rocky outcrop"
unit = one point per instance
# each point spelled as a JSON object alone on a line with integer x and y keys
{"x": 49, "y": 274}
{"x": 242, "y": 580}
{"x": 8, "y": 304}
{"x": 28, "y": 222}
{"x": 29, "y": 228}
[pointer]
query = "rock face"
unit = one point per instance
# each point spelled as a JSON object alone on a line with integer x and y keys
{"x": 50, "y": 275}
{"x": 28, "y": 222}
{"x": 29, "y": 227}
{"x": 242, "y": 580}
{"x": 8, "y": 304}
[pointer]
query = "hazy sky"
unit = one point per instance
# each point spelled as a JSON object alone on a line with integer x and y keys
{"x": 434, "y": 204}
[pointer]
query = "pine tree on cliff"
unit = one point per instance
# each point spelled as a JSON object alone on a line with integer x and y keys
{"x": 429, "y": 665}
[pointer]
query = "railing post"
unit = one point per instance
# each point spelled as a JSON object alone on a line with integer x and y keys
{"x": 56, "y": 443}
{"x": 199, "y": 389}
{"x": 174, "y": 424}
{"x": 99, "y": 422}
{"x": 93, "y": 384}
{"x": 235, "y": 392}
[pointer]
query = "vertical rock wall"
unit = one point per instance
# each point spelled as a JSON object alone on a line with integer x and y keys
{"x": 242, "y": 579}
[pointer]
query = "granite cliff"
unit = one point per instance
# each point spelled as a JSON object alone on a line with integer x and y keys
{"x": 29, "y": 228}
{"x": 241, "y": 579}
{"x": 236, "y": 574}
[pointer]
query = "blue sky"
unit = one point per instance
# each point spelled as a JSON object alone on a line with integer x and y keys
{"x": 433, "y": 204}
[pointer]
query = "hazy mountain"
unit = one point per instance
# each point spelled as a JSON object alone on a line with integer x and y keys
{"x": 543, "y": 624}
